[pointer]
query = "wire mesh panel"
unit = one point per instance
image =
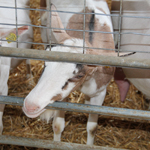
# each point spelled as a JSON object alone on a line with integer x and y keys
{"x": 134, "y": 25}
{"x": 122, "y": 24}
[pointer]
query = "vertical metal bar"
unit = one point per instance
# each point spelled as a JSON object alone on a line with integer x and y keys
{"x": 84, "y": 28}
{"x": 49, "y": 36}
{"x": 16, "y": 23}
{"x": 120, "y": 25}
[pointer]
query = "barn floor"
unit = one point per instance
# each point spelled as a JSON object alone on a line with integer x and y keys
{"x": 112, "y": 131}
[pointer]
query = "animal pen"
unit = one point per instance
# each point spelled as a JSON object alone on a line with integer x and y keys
{"x": 114, "y": 123}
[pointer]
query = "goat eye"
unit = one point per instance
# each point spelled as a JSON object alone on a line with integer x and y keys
{"x": 65, "y": 85}
{"x": 76, "y": 78}
{"x": 79, "y": 76}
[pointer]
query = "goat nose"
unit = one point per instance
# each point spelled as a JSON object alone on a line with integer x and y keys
{"x": 31, "y": 107}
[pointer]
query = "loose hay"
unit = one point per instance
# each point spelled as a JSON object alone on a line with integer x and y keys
{"x": 35, "y": 18}
{"x": 112, "y": 131}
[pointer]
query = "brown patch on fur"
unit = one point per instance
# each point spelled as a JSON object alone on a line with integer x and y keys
{"x": 93, "y": 131}
{"x": 100, "y": 40}
{"x": 65, "y": 86}
{"x": 84, "y": 71}
{"x": 57, "y": 126}
{"x": 76, "y": 22}
{"x": 57, "y": 97}
{"x": 103, "y": 76}
{"x": 87, "y": 98}
{"x": 81, "y": 73}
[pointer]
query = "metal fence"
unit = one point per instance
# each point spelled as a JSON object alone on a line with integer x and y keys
{"x": 83, "y": 59}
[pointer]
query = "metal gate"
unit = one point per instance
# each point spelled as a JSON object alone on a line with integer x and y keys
{"x": 117, "y": 15}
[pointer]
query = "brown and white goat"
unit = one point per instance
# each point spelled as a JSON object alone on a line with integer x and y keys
{"x": 59, "y": 79}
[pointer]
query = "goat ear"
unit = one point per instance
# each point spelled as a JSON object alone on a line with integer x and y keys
{"x": 60, "y": 35}
{"x": 21, "y": 30}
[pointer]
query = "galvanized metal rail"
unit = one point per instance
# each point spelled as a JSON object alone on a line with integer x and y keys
{"x": 75, "y": 58}
{"x": 49, "y": 144}
{"x": 135, "y": 33}
{"x": 94, "y": 48}
{"x": 93, "y": 109}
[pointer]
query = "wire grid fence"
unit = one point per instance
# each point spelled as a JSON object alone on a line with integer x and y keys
{"x": 118, "y": 49}
{"x": 119, "y": 33}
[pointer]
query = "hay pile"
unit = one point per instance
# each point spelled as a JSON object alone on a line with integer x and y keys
{"x": 112, "y": 131}
{"x": 35, "y": 19}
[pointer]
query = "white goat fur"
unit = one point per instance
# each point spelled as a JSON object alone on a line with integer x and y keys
{"x": 56, "y": 74}
{"x": 140, "y": 78}
{"x": 8, "y": 16}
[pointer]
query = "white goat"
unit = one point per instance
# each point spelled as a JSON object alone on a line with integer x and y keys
{"x": 9, "y": 32}
{"x": 140, "y": 78}
{"x": 59, "y": 79}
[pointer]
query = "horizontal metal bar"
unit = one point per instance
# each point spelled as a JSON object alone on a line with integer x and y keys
{"x": 112, "y": 15}
{"x": 84, "y": 108}
{"x": 8, "y": 24}
{"x": 75, "y": 58}
{"x": 44, "y": 27}
{"x": 122, "y": 33}
{"x": 46, "y": 44}
{"x": 135, "y": 33}
{"x": 48, "y": 144}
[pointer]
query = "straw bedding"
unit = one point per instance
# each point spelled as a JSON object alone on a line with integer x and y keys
{"x": 112, "y": 131}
